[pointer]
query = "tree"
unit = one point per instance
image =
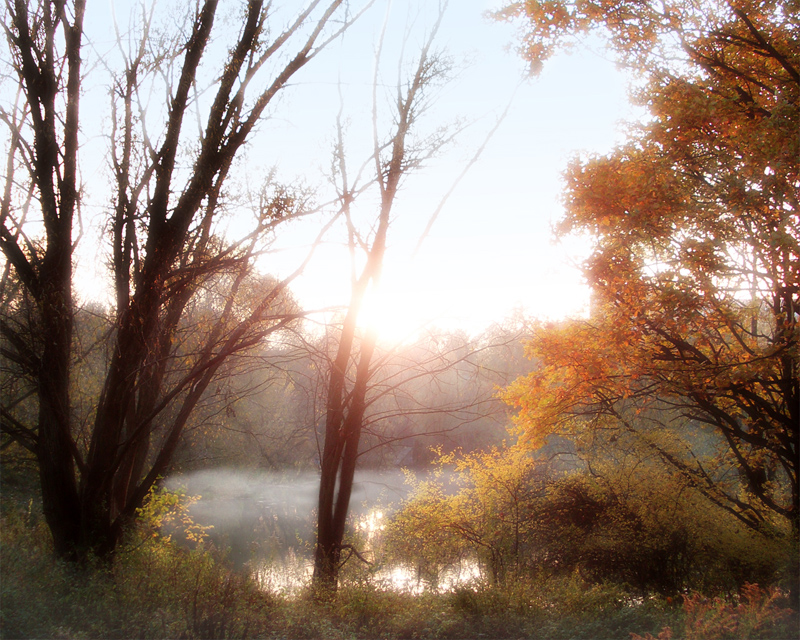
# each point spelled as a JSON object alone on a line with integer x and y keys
{"x": 350, "y": 372}
{"x": 168, "y": 200}
{"x": 624, "y": 518}
{"x": 695, "y": 267}
{"x": 357, "y": 371}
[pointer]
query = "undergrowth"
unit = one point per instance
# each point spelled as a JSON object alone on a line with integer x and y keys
{"x": 152, "y": 589}
{"x": 155, "y": 588}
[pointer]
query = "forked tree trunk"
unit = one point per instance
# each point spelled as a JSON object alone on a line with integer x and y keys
{"x": 162, "y": 248}
{"x": 345, "y": 407}
{"x": 340, "y": 455}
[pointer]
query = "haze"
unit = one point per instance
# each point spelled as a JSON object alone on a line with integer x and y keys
{"x": 490, "y": 252}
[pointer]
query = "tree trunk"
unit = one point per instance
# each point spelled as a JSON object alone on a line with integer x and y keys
{"x": 54, "y": 445}
{"x": 340, "y": 455}
{"x": 345, "y": 410}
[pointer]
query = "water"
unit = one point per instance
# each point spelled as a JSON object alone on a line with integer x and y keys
{"x": 266, "y": 521}
{"x": 294, "y": 574}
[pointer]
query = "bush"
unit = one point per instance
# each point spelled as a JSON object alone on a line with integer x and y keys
{"x": 636, "y": 524}
{"x": 754, "y": 613}
{"x": 152, "y": 588}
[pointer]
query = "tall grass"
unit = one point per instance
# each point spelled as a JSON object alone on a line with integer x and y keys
{"x": 157, "y": 589}
{"x": 152, "y": 588}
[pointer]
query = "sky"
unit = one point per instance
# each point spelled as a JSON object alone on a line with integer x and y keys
{"x": 491, "y": 250}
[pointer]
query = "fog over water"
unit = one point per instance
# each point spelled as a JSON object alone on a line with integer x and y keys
{"x": 270, "y": 516}
{"x": 265, "y": 520}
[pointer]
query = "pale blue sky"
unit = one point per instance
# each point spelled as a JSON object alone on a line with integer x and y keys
{"x": 490, "y": 250}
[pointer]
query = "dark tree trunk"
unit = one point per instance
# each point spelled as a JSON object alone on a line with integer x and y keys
{"x": 345, "y": 408}
{"x": 54, "y": 174}
{"x": 54, "y": 445}
{"x": 162, "y": 249}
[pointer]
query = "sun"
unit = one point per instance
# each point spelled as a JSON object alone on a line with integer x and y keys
{"x": 394, "y": 315}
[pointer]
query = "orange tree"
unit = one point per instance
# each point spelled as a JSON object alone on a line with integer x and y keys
{"x": 692, "y": 341}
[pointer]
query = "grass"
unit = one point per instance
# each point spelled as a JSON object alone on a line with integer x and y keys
{"x": 156, "y": 589}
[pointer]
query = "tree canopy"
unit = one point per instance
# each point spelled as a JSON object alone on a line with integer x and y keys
{"x": 695, "y": 260}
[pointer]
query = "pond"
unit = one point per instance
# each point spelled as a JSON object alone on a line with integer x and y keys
{"x": 266, "y": 522}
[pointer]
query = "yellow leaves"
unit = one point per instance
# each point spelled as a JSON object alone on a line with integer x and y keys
{"x": 491, "y": 507}
{"x": 166, "y": 512}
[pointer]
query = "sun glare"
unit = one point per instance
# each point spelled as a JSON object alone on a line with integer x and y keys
{"x": 382, "y": 313}
{"x": 445, "y": 287}
{"x": 398, "y": 311}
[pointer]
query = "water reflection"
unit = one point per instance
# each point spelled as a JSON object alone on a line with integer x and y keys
{"x": 408, "y": 579}
{"x": 293, "y": 574}
{"x": 265, "y": 521}
{"x": 287, "y": 575}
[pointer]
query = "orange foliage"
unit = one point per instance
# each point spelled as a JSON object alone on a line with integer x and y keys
{"x": 754, "y": 610}
{"x": 695, "y": 268}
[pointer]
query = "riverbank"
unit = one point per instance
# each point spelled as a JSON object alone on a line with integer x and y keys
{"x": 157, "y": 589}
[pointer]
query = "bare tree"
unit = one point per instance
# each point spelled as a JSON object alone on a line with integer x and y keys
{"x": 351, "y": 371}
{"x": 167, "y": 246}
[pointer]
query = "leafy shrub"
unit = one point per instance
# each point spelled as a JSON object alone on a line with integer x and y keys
{"x": 490, "y": 517}
{"x": 418, "y": 535}
{"x": 165, "y": 512}
{"x": 151, "y": 588}
{"x": 631, "y": 522}
{"x": 754, "y": 613}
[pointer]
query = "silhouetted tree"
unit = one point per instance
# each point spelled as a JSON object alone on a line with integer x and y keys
{"x": 167, "y": 198}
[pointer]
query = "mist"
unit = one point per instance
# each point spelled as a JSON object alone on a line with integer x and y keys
{"x": 267, "y": 515}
